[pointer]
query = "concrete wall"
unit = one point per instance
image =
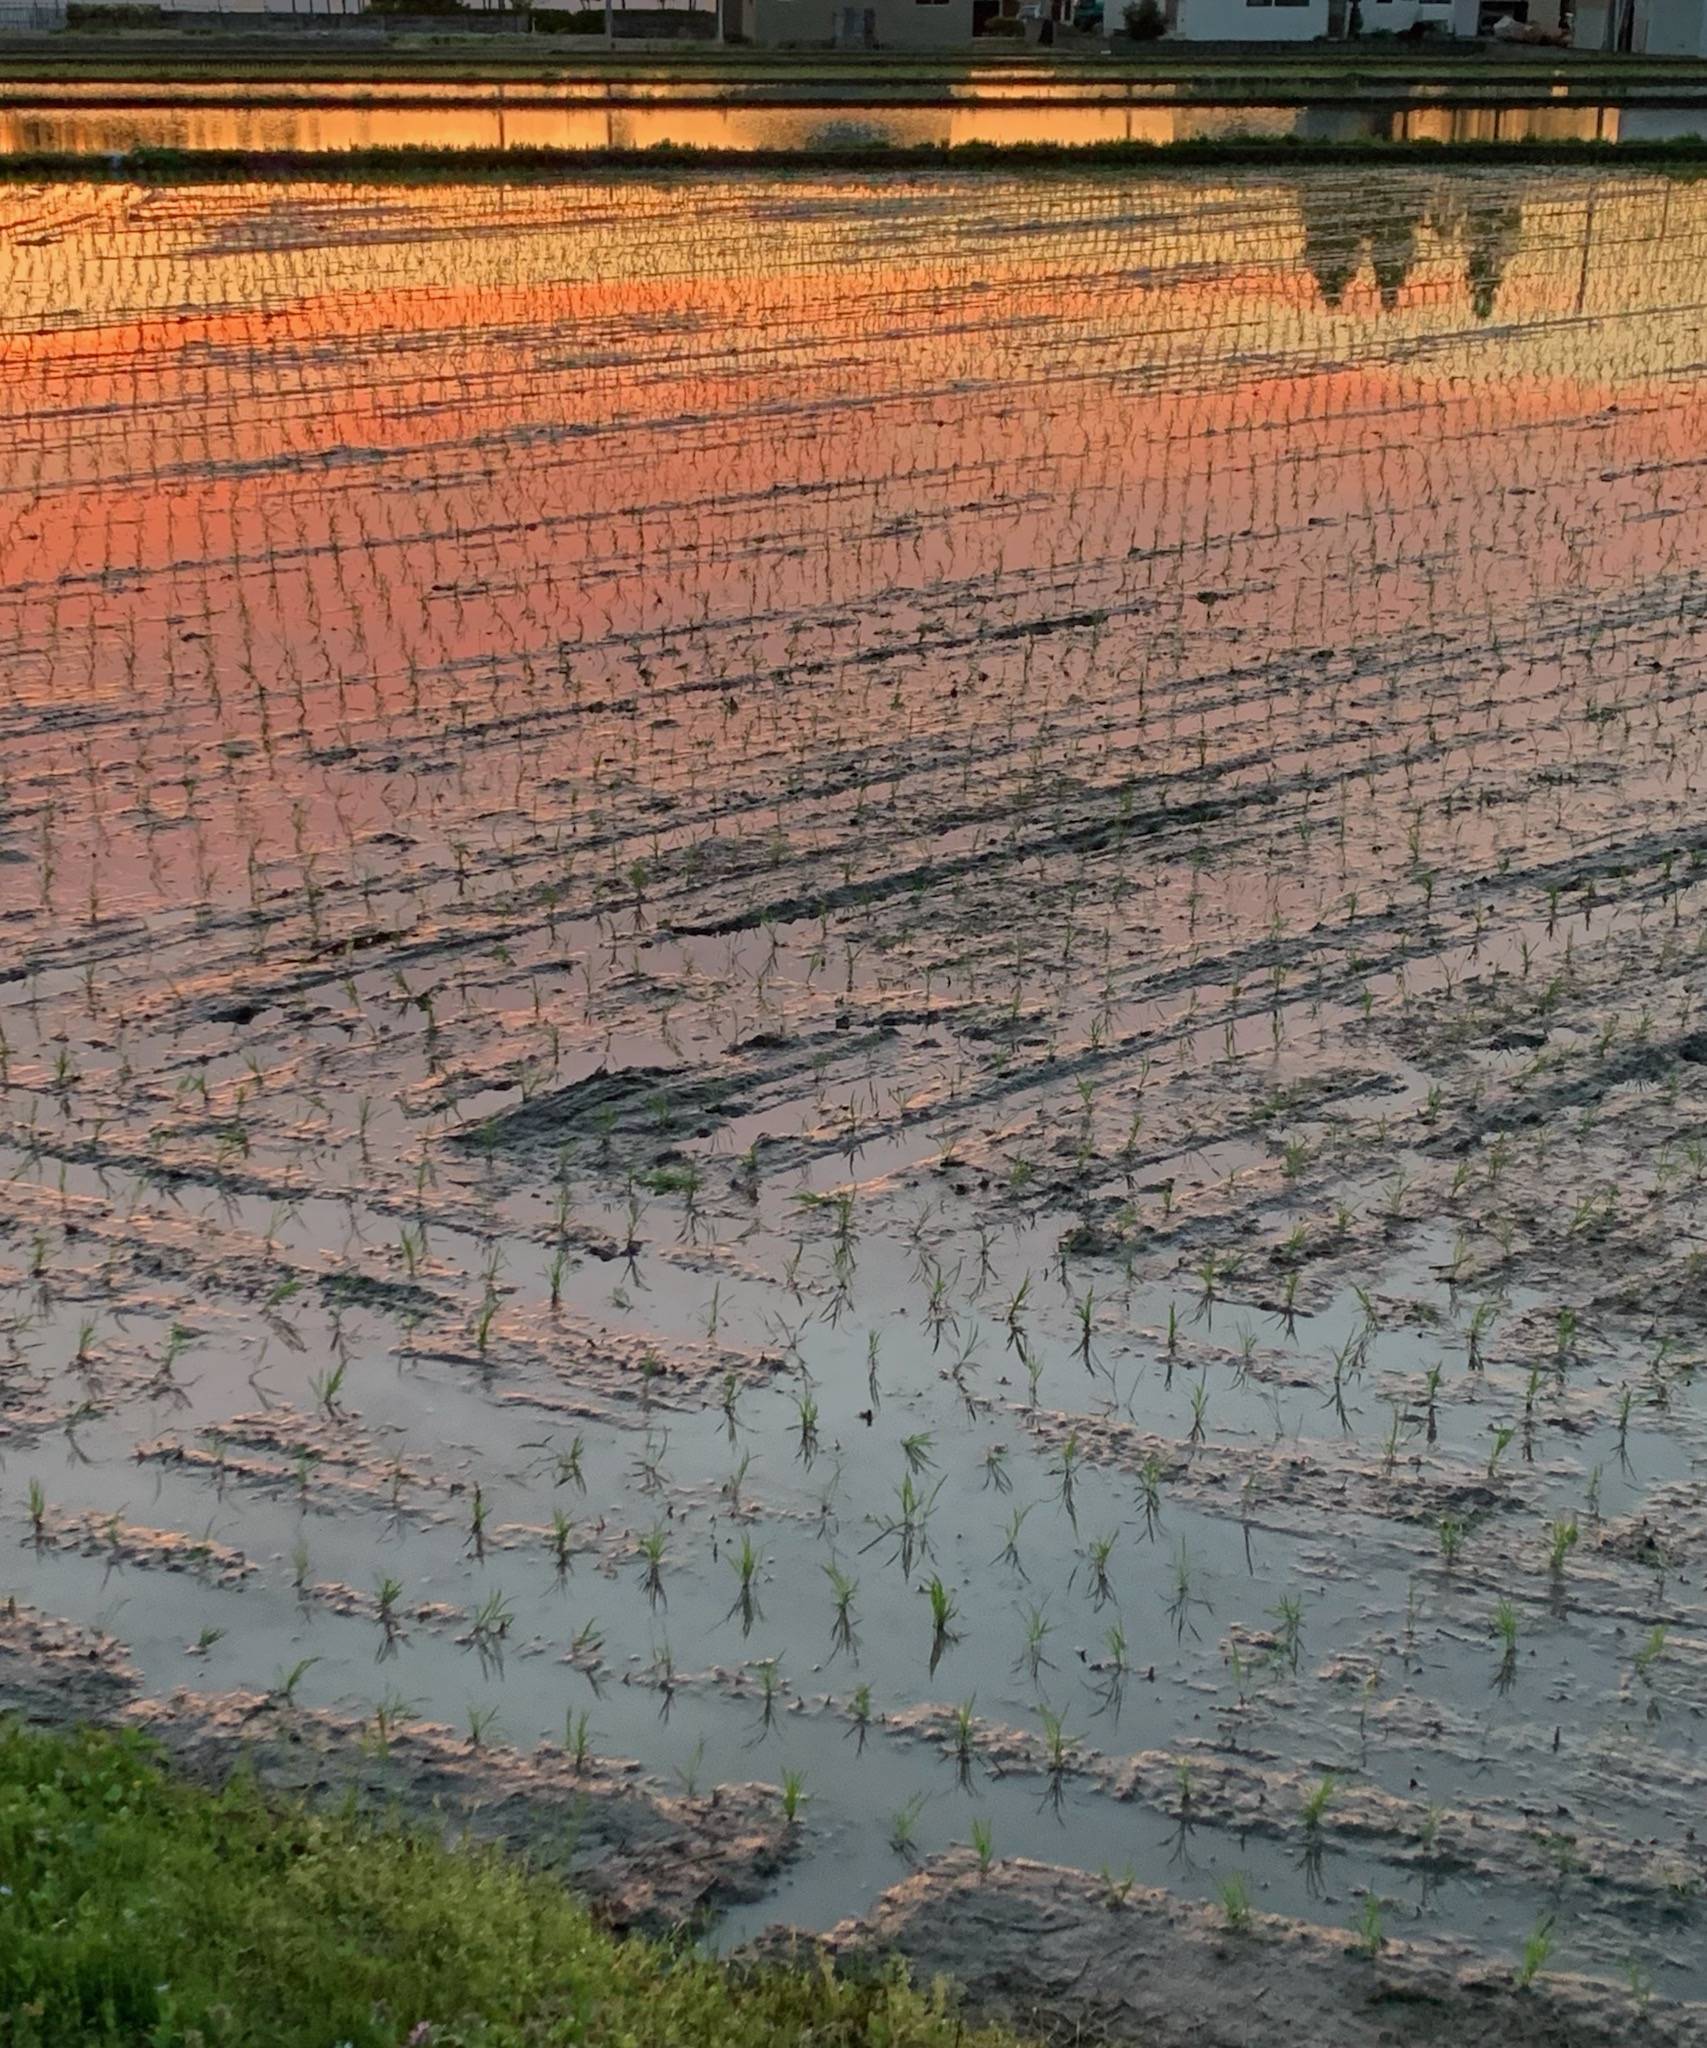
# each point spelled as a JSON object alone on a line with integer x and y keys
{"x": 251, "y": 13}
{"x": 1394, "y": 15}
{"x": 1236, "y": 21}
{"x": 1662, "y": 28}
{"x": 897, "y": 24}
{"x": 1453, "y": 17}
{"x": 1675, "y": 28}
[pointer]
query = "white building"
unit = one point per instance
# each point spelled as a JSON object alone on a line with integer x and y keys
{"x": 1302, "y": 21}
{"x": 1447, "y": 17}
{"x": 872, "y": 24}
{"x": 1242, "y": 21}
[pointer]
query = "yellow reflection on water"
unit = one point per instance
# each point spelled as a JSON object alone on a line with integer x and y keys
{"x": 494, "y": 124}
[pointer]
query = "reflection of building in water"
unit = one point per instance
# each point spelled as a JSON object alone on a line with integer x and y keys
{"x": 1386, "y": 231}
{"x": 1550, "y": 123}
{"x": 1340, "y": 124}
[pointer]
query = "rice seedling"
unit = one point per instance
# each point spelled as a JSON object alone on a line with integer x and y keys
{"x": 482, "y": 1724}
{"x": 488, "y": 1629}
{"x": 1009, "y": 1552}
{"x": 648, "y": 1466}
{"x": 1317, "y": 1801}
{"x": 859, "y": 1712}
{"x": 1060, "y": 1753}
{"x": 1150, "y": 1497}
{"x": 1183, "y": 1595}
{"x": 386, "y": 1597}
{"x": 945, "y": 1610}
{"x": 1536, "y": 1953}
{"x": 661, "y": 1674}
{"x": 1235, "y": 1897}
{"x": 844, "y": 1633}
{"x": 908, "y": 1526}
{"x": 1116, "y": 1668}
{"x": 1097, "y": 1557}
{"x": 389, "y": 1712}
{"x": 807, "y": 1411}
{"x": 286, "y": 1681}
{"x": 561, "y": 1537}
{"x": 1561, "y": 1541}
{"x": 768, "y": 1671}
{"x": 965, "y": 1740}
{"x": 746, "y": 1603}
{"x": 903, "y": 1826}
{"x": 1032, "y": 1658}
{"x": 1065, "y": 1471}
{"x": 326, "y": 1388}
{"x": 652, "y": 1546}
{"x": 1505, "y": 1624}
{"x": 578, "y": 1742}
{"x": 1288, "y": 1617}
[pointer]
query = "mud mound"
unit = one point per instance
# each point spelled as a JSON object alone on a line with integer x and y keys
{"x": 1060, "y": 1953}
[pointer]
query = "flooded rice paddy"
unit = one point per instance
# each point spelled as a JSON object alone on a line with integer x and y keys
{"x": 889, "y": 985}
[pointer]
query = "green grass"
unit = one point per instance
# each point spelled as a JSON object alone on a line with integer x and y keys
{"x": 1687, "y": 157}
{"x": 139, "y": 1909}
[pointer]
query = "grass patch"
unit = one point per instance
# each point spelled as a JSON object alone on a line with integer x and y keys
{"x": 422, "y": 166}
{"x": 139, "y": 1909}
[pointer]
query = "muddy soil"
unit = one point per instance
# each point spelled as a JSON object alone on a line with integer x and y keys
{"x": 1076, "y": 1959}
{"x": 649, "y": 1861}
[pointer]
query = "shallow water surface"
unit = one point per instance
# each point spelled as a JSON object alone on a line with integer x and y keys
{"x": 782, "y": 955}
{"x": 840, "y": 126}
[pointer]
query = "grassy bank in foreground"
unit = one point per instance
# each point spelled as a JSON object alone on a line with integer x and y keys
{"x": 140, "y": 1910}
{"x": 1684, "y": 157}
